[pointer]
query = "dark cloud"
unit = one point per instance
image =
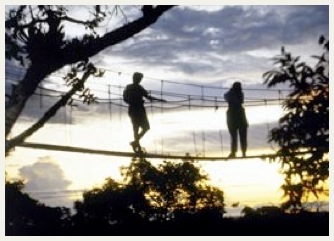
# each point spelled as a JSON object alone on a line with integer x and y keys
{"x": 183, "y": 37}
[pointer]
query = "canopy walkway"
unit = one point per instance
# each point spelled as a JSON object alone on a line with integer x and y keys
{"x": 186, "y": 157}
{"x": 193, "y": 120}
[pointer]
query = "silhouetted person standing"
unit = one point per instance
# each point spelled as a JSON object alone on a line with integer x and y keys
{"x": 134, "y": 95}
{"x": 236, "y": 119}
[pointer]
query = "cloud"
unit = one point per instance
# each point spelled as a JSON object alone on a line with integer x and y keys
{"x": 198, "y": 42}
{"x": 44, "y": 176}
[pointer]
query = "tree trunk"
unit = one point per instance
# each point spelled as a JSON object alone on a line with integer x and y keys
{"x": 21, "y": 93}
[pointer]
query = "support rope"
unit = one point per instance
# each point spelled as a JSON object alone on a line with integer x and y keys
{"x": 186, "y": 157}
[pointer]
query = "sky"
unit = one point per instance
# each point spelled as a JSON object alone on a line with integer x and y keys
{"x": 188, "y": 50}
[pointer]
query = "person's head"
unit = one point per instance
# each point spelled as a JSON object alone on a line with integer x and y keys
{"x": 236, "y": 86}
{"x": 137, "y": 77}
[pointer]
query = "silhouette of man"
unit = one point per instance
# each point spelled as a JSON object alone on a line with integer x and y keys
{"x": 134, "y": 94}
{"x": 236, "y": 118}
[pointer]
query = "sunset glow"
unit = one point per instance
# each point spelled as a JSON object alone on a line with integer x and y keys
{"x": 190, "y": 57}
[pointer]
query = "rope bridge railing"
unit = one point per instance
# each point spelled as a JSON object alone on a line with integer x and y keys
{"x": 189, "y": 98}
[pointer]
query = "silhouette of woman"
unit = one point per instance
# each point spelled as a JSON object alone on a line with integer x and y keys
{"x": 236, "y": 119}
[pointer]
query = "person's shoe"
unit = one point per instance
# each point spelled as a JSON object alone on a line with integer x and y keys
{"x": 243, "y": 154}
{"x": 135, "y": 145}
{"x": 232, "y": 155}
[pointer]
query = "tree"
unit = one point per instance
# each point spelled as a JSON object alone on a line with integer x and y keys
{"x": 266, "y": 211}
{"x": 35, "y": 38}
{"x": 149, "y": 195}
{"x": 173, "y": 187}
{"x": 304, "y": 127}
{"x": 26, "y": 216}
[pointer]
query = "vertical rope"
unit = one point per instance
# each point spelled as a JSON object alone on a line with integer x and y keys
{"x": 267, "y": 123}
{"x": 110, "y": 111}
{"x": 120, "y": 103}
{"x": 266, "y": 106}
{"x": 109, "y": 102}
{"x": 221, "y": 141}
{"x": 194, "y": 136}
{"x": 203, "y": 132}
{"x": 279, "y": 97}
{"x": 220, "y": 130}
{"x": 70, "y": 126}
{"x": 161, "y": 113}
{"x": 152, "y": 115}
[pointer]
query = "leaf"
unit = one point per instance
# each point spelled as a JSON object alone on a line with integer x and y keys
{"x": 321, "y": 39}
{"x": 296, "y": 59}
{"x": 300, "y": 65}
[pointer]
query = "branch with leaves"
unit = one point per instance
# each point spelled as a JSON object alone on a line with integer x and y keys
{"x": 304, "y": 127}
{"x": 78, "y": 85}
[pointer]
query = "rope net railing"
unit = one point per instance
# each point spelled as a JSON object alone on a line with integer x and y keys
{"x": 192, "y": 121}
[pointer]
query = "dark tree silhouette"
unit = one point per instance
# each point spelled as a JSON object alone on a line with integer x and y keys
{"x": 173, "y": 187}
{"x": 128, "y": 209}
{"x": 34, "y": 36}
{"x": 304, "y": 127}
{"x": 267, "y": 211}
{"x": 150, "y": 195}
{"x": 26, "y": 216}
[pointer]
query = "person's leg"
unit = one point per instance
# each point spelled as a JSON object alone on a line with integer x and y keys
{"x": 135, "y": 143}
{"x": 243, "y": 140}
{"x": 142, "y": 132}
{"x": 134, "y": 121}
{"x": 144, "y": 124}
{"x": 233, "y": 133}
{"x": 135, "y": 126}
{"x": 234, "y": 141}
{"x": 135, "y": 132}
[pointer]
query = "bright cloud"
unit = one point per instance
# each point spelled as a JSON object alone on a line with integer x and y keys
{"x": 43, "y": 177}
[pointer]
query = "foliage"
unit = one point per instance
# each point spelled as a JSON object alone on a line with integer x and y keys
{"x": 35, "y": 31}
{"x": 268, "y": 211}
{"x": 305, "y": 125}
{"x": 106, "y": 211}
{"x": 25, "y": 215}
{"x": 172, "y": 187}
{"x": 149, "y": 195}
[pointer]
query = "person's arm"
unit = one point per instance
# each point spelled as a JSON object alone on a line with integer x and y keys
{"x": 242, "y": 98}
{"x": 227, "y": 96}
{"x": 151, "y": 98}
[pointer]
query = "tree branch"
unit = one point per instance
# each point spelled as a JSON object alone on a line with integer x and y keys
{"x": 50, "y": 113}
{"x": 74, "y": 52}
{"x": 73, "y": 20}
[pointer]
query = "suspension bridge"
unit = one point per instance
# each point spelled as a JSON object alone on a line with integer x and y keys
{"x": 191, "y": 121}
{"x": 190, "y": 126}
